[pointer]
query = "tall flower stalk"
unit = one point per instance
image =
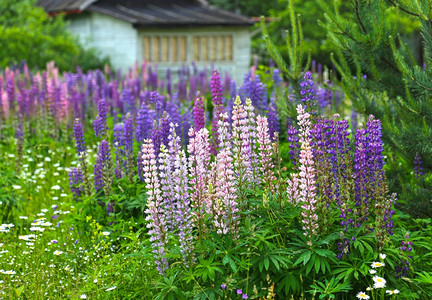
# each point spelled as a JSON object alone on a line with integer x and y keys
{"x": 307, "y": 176}
{"x": 225, "y": 222}
{"x": 265, "y": 155}
{"x": 155, "y": 210}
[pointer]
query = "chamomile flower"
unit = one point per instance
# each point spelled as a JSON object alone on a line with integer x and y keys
{"x": 382, "y": 256}
{"x": 106, "y": 233}
{"x": 362, "y": 295}
{"x": 58, "y": 252}
{"x": 377, "y": 264}
{"x": 379, "y": 282}
{"x": 372, "y": 271}
{"x": 392, "y": 292}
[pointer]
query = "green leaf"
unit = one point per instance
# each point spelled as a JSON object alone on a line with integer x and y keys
{"x": 266, "y": 263}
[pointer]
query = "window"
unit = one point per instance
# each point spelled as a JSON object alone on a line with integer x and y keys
{"x": 213, "y": 48}
{"x": 164, "y": 48}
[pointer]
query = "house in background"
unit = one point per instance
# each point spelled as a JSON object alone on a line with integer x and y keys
{"x": 169, "y": 33}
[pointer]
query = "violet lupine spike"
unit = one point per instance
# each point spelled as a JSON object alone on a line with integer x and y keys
{"x": 273, "y": 118}
{"x": 277, "y": 78}
{"x": 240, "y": 133}
{"x": 218, "y": 109}
{"x": 144, "y": 124}
{"x": 361, "y": 177}
{"x": 265, "y": 154}
{"x": 99, "y": 124}
{"x": 226, "y": 220}
{"x": 307, "y": 92}
{"x": 79, "y": 138}
{"x": 405, "y": 253}
{"x": 258, "y": 94}
{"x": 103, "y": 169}
{"x": 155, "y": 211}
{"x": 199, "y": 162}
{"x": 375, "y": 149}
{"x": 307, "y": 175}
{"x": 119, "y": 143}
{"x": 185, "y": 125}
{"x": 418, "y": 167}
{"x": 199, "y": 119}
{"x": 293, "y": 142}
{"x": 182, "y": 213}
{"x": 128, "y": 135}
{"x": 76, "y": 180}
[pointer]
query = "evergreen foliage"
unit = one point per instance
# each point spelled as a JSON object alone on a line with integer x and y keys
{"x": 397, "y": 89}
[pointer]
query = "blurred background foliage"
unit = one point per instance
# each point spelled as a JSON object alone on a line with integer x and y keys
{"x": 29, "y": 34}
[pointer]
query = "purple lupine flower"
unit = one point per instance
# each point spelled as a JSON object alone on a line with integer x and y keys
{"x": 218, "y": 109}
{"x": 128, "y": 100}
{"x": 405, "y": 252}
{"x": 277, "y": 78}
{"x": 233, "y": 90}
{"x": 102, "y": 168}
{"x": 144, "y": 124}
{"x": 307, "y": 92}
{"x": 418, "y": 168}
{"x": 273, "y": 118}
{"x": 185, "y": 125}
{"x": 361, "y": 176}
{"x": 157, "y": 100}
{"x": 245, "y": 296}
{"x": 128, "y": 135}
{"x": 76, "y": 179}
{"x": 293, "y": 142}
{"x": 223, "y": 286}
{"x": 307, "y": 175}
{"x": 79, "y": 138}
{"x": 119, "y": 143}
{"x": 99, "y": 123}
{"x": 199, "y": 120}
{"x": 155, "y": 211}
{"x": 375, "y": 149}
{"x": 245, "y": 88}
{"x": 258, "y": 94}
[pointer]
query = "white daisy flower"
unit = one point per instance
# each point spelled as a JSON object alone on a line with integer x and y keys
{"x": 106, "y": 233}
{"x": 383, "y": 256}
{"x": 16, "y": 187}
{"x": 362, "y": 295}
{"x": 110, "y": 289}
{"x": 377, "y": 264}
{"x": 58, "y": 252}
{"x": 379, "y": 282}
{"x": 372, "y": 271}
{"x": 392, "y": 292}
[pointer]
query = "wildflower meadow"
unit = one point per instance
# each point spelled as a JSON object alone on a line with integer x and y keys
{"x": 187, "y": 184}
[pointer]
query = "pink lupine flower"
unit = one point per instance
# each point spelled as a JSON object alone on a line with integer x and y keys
{"x": 182, "y": 210}
{"x": 199, "y": 162}
{"x": 265, "y": 154}
{"x": 307, "y": 175}
{"x": 293, "y": 192}
{"x": 249, "y": 143}
{"x": 155, "y": 212}
{"x": 226, "y": 221}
